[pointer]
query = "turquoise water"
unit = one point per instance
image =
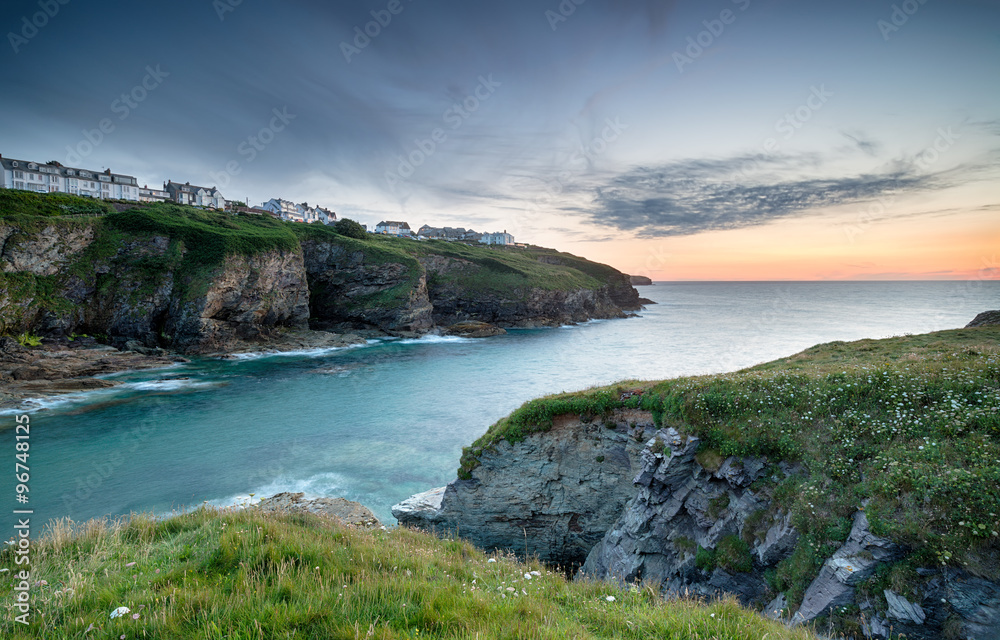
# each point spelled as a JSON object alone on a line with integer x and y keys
{"x": 381, "y": 422}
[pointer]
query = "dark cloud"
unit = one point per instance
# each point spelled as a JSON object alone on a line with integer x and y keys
{"x": 685, "y": 198}
{"x": 869, "y": 146}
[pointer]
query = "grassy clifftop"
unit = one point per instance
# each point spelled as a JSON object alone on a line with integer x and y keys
{"x": 206, "y": 238}
{"x": 908, "y": 426}
{"x": 250, "y": 575}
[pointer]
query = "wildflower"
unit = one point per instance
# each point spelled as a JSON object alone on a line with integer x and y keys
{"x": 610, "y": 598}
{"x": 492, "y": 560}
{"x": 135, "y": 616}
{"x": 119, "y": 612}
{"x": 527, "y": 576}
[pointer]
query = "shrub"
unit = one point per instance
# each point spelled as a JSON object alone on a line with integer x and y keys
{"x": 350, "y": 228}
{"x": 733, "y": 554}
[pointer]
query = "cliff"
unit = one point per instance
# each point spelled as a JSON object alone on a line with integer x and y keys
{"x": 193, "y": 281}
{"x": 852, "y": 487}
{"x": 553, "y": 496}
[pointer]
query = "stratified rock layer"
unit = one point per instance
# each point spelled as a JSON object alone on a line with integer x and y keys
{"x": 553, "y": 494}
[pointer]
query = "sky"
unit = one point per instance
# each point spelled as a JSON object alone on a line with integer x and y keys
{"x": 712, "y": 140}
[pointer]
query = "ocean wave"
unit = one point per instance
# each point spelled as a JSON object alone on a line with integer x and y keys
{"x": 299, "y": 353}
{"x": 322, "y": 485}
{"x": 170, "y": 384}
{"x": 432, "y": 339}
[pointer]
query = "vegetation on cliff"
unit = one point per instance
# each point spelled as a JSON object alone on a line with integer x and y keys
{"x": 906, "y": 428}
{"x": 247, "y": 574}
{"x": 64, "y": 253}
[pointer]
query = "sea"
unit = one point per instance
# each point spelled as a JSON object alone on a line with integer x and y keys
{"x": 379, "y": 422}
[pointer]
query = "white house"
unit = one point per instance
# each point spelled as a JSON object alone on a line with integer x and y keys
{"x": 497, "y": 238}
{"x": 393, "y": 228}
{"x": 194, "y": 195}
{"x": 53, "y": 177}
{"x": 325, "y": 215}
{"x": 284, "y": 209}
{"x": 315, "y": 214}
{"x": 152, "y": 195}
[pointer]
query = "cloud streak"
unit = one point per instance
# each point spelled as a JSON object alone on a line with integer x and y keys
{"x": 691, "y": 197}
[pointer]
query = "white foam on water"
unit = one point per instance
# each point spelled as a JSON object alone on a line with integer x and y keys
{"x": 321, "y": 485}
{"x": 432, "y": 339}
{"x": 118, "y": 374}
{"x": 170, "y": 384}
{"x": 33, "y": 405}
{"x": 300, "y": 353}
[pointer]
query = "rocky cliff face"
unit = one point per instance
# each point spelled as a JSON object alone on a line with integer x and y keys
{"x": 348, "y": 288}
{"x": 145, "y": 289}
{"x": 984, "y": 319}
{"x": 453, "y": 303}
{"x": 668, "y": 519}
{"x": 553, "y": 494}
{"x": 134, "y": 293}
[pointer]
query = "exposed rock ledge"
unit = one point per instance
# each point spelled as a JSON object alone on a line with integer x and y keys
{"x": 985, "y": 318}
{"x": 57, "y": 368}
{"x": 343, "y": 510}
{"x": 552, "y": 494}
{"x": 569, "y": 494}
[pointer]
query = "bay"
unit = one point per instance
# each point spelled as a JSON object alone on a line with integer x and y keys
{"x": 380, "y": 422}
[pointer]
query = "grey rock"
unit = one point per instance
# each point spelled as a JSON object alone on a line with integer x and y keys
{"x": 344, "y": 511}
{"x": 779, "y": 541}
{"x": 420, "y": 509}
{"x": 679, "y": 505}
{"x": 776, "y": 609}
{"x": 553, "y": 494}
{"x": 854, "y": 562}
{"x": 902, "y": 609}
{"x": 984, "y": 319}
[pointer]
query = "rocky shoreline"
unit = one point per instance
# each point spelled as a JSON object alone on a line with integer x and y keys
{"x": 58, "y": 367}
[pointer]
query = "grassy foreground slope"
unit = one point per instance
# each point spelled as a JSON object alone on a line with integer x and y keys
{"x": 906, "y": 428}
{"x": 248, "y": 575}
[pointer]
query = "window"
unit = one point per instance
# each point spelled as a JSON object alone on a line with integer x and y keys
{"x": 18, "y": 185}
{"x": 18, "y": 174}
{"x": 69, "y": 172}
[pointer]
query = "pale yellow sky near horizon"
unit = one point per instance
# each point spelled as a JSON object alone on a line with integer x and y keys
{"x": 932, "y": 246}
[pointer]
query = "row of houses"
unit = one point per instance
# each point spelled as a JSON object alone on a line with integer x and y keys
{"x": 302, "y": 212}
{"x": 53, "y": 177}
{"x": 451, "y": 234}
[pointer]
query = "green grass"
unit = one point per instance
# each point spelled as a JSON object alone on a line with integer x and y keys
{"x": 15, "y": 203}
{"x": 244, "y": 574}
{"x": 909, "y": 426}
